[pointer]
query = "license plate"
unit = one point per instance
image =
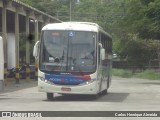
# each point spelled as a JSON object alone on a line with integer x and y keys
{"x": 65, "y": 89}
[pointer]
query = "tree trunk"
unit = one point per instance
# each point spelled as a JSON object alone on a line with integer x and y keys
{"x": 159, "y": 58}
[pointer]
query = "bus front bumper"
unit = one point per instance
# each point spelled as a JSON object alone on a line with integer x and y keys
{"x": 90, "y": 88}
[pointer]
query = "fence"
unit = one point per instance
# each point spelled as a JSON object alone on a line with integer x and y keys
{"x": 153, "y": 65}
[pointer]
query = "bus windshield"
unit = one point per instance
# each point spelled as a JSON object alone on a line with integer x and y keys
{"x": 68, "y": 51}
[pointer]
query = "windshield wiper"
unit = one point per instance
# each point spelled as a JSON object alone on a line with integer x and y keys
{"x": 61, "y": 61}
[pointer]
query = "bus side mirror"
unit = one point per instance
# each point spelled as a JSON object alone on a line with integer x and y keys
{"x": 103, "y": 53}
{"x": 36, "y": 50}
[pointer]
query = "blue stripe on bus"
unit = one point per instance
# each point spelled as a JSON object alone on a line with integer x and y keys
{"x": 64, "y": 79}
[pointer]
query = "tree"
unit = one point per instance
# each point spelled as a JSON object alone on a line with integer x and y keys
{"x": 29, "y": 2}
{"x": 132, "y": 23}
{"x": 140, "y": 20}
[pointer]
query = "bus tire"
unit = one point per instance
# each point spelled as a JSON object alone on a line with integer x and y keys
{"x": 108, "y": 81}
{"x": 50, "y": 96}
{"x": 104, "y": 92}
{"x": 96, "y": 96}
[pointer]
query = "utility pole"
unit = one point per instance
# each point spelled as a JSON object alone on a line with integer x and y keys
{"x": 70, "y": 10}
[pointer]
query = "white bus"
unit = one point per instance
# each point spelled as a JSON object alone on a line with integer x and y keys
{"x": 63, "y": 67}
{"x": 1, "y": 65}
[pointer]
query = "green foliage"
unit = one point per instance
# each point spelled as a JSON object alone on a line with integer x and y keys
{"x": 29, "y": 2}
{"x": 138, "y": 52}
{"x": 132, "y": 23}
{"x": 140, "y": 29}
{"x": 148, "y": 74}
{"x": 122, "y": 73}
{"x": 55, "y": 8}
{"x": 142, "y": 18}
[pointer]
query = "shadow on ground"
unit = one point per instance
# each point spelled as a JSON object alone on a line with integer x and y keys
{"x": 12, "y": 86}
{"x": 110, "y": 97}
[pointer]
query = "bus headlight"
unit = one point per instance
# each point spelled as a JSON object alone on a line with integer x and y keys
{"x": 88, "y": 82}
{"x": 45, "y": 80}
{"x": 49, "y": 82}
{"x": 41, "y": 78}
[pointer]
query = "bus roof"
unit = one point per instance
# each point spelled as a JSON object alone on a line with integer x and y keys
{"x": 71, "y": 26}
{"x": 80, "y": 26}
{"x": 77, "y": 26}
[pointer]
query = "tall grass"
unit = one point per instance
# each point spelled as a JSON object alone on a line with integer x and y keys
{"x": 122, "y": 73}
{"x": 148, "y": 74}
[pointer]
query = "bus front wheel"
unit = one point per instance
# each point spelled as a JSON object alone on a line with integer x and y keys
{"x": 50, "y": 96}
{"x": 104, "y": 92}
{"x": 95, "y": 96}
